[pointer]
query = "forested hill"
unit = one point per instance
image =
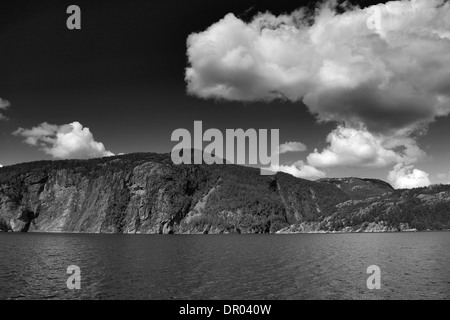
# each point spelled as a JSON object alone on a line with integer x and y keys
{"x": 359, "y": 189}
{"x": 147, "y": 193}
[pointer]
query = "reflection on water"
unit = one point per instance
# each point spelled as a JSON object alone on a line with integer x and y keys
{"x": 303, "y": 266}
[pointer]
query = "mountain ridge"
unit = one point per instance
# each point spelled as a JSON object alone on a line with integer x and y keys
{"x": 147, "y": 193}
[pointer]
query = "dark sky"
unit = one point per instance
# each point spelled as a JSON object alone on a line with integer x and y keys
{"x": 122, "y": 75}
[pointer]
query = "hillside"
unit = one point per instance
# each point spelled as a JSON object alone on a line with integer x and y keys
{"x": 359, "y": 189}
{"x": 147, "y": 193}
{"x": 400, "y": 210}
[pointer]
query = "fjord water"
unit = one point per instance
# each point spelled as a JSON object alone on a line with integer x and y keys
{"x": 297, "y": 266}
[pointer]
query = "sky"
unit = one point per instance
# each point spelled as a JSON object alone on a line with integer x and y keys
{"x": 356, "y": 90}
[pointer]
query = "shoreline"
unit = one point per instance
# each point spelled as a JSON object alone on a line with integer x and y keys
{"x": 225, "y": 234}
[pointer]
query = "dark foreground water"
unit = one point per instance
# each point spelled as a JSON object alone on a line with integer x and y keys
{"x": 302, "y": 266}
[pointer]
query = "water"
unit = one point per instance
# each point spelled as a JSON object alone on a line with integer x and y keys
{"x": 302, "y": 266}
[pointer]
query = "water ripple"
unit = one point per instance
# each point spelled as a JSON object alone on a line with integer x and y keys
{"x": 308, "y": 266}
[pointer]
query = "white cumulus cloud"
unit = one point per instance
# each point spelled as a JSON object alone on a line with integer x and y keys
{"x": 388, "y": 79}
{"x": 350, "y": 147}
{"x": 68, "y": 141}
{"x": 385, "y": 83}
{"x": 407, "y": 177}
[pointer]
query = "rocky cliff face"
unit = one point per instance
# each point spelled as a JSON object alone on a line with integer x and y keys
{"x": 147, "y": 193}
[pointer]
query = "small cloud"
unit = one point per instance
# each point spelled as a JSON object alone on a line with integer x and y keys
{"x": 300, "y": 170}
{"x": 291, "y": 147}
{"x": 4, "y": 104}
{"x": 68, "y": 141}
{"x": 442, "y": 175}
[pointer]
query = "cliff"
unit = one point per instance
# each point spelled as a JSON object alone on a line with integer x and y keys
{"x": 147, "y": 193}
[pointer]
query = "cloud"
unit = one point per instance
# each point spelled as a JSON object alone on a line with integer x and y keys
{"x": 389, "y": 78}
{"x": 407, "y": 177}
{"x": 68, "y": 141}
{"x": 4, "y": 104}
{"x": 300, "y": 170}
{"x": 443, "y": 175}
{"x": 350, "y": 147}
{"x": 358, "y": 148}
{"x": 291, "y": 147}
{"x": 383, "y": 83}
